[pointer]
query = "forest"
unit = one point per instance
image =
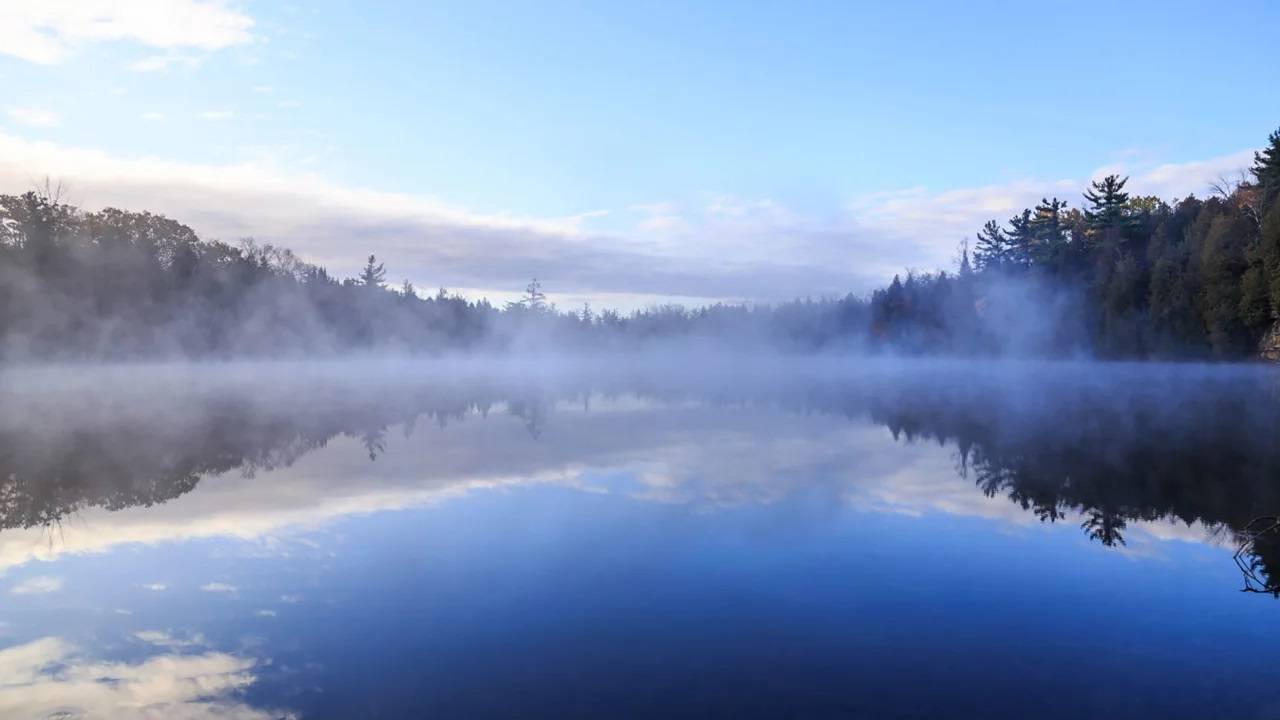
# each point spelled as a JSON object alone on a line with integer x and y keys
{"x": 1120, "y": 276}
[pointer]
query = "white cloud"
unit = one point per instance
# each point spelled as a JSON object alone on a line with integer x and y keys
{"x": 933, "y": 223}
{"x": 725, "y": 249}
{"x": 48, "y": 31}
{"x": 160, "y": 63}
{"x": 34, "y": 117}
{"x": 153, "y": 116}
{"x": 38, "y": 585}
{"x": 217, "y": 587}
{"x": 45, "y": 677}
{"x": 264, "y": 613}
{"x": 156, "y": 587}
{"x": 289, "y": 104}
{"x": 217, "y": 115}
{"x": 163, "y": 639}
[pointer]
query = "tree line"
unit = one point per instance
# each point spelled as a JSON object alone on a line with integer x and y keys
{"x": 120, "y": 284}
{"x": 1120, "y": 276}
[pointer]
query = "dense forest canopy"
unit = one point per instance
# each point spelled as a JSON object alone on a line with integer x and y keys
{"x": 1119, "y": 276}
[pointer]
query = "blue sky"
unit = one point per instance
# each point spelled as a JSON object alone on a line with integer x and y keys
{"x": 625, "y": 152}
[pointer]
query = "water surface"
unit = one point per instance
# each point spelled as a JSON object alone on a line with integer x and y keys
{"x": 735, "y": 539}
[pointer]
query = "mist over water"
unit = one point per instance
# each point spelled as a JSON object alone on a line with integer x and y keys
{"x": 661, "y": 361}
{"x": 655, "y": 533}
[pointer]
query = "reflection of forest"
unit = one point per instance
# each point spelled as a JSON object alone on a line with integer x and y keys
{"x": 52, "y": 470}
{"x": 1196, "y": 446}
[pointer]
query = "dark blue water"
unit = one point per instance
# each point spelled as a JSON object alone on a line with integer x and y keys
{"x": 1051, "y": 542}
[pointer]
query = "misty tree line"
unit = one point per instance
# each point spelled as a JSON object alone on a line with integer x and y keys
{"x": 116, "y": 283}
{"x": 1121, "y": 276}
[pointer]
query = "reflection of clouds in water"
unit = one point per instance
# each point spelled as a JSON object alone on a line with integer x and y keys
{"x": 685, "y": 453}
{"x": 39, "y": 585}
{"x": 50, "y": 677}
{"x": 219, "y": 587}
{"x": 163, "y": 639}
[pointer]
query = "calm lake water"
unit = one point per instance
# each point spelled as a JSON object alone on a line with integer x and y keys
{"x": 808, "y": 539}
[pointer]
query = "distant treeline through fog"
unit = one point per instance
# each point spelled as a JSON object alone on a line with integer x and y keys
{"x": 1120, "y": 276}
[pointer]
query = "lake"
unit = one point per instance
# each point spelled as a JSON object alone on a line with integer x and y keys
{"x": 686, "y": 537}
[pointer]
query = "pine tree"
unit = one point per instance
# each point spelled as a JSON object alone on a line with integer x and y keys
{"x": 1021, "y": 240}
{"x": 966, "y": 269}
{"x": 373, "y": 275}
{"x": 1266, "y": 170}
{"x": 993, "y": 249}
{"x": 534, "y": 298}
{"x": 1048, "y": 230}
{"x": 1107, "y": 204}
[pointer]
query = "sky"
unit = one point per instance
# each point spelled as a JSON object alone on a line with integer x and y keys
{"x": 624, "y": 153}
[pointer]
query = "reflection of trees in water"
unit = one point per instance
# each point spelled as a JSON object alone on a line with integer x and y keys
{"x": 533, "y": 413}
{"x": 1109, "y": 453}
{"x": 1204, "y": 452}
{"x": 48, "y": 473}
{"x": 1257, "y": 552}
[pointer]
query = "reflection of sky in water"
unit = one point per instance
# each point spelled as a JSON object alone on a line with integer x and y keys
{"x": 710, "y": 561}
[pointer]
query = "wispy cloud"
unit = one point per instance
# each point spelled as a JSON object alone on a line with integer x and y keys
{"x": 39, "y": 585}
{"x": 218, "y": 587}
{"x": 46, "y": 31}
{"x": 153, "y": 116}
{"x": 217, "y": 115}
{"x": 723, "y": 249}
{"x": 159, "y": 638}
{"x": 160, "y": 63}
{"x": 155, "y": 587}
{"x": 44, "y": 677}
{"x": 34, "y": 117}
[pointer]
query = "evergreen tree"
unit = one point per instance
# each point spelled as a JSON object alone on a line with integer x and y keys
{"x": 1048, "y": 231}
{"x": 1108, "y": 204}
{"x": 1223, "y": 262}
{"x": 374, "y": 275}
{"x": 993, "y": 250}
{"x": 1266, "y": 170}
{"x": 1021, "y": 240}
{"x": 1269, "y": 254}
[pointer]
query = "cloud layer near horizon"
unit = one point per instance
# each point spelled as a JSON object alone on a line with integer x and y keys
{"x": 727, "y": 249}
